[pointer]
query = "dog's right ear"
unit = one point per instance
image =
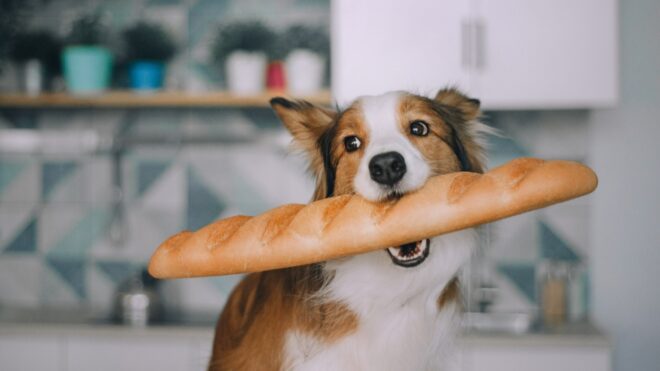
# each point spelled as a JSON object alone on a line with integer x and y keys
{"x": 309, "y": 124}
{"x": 305, "y": 121}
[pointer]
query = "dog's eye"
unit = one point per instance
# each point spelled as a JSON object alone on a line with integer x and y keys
{"x": 419, "y": 128}
{"x": 352, "y": 143}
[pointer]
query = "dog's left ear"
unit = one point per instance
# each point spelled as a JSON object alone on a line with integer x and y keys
{"x": 468, "y": 107}
{"x": 462, "y": 114}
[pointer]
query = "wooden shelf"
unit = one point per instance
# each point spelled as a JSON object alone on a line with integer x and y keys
{"x": 130, "y": 99}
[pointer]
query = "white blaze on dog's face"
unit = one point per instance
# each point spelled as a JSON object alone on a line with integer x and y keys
{"x": 391, "y": 163}
{"x": 385, "y": 146}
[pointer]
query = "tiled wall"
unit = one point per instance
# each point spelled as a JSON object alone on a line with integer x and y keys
{"x": 517, "y": 249}
{"x": 59, "y": 239}
{"x": 57, "y": 218}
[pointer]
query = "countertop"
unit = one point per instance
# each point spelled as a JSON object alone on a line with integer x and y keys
{"x": 201, "y": 327}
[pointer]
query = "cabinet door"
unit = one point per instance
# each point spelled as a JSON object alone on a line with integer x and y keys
{"x": 25, "y": 352}
{"x": 378, "y": 46}
{"x": 546, "y": 53}
{"x": 538, "y": 358}
{"x": 123, "y": 353}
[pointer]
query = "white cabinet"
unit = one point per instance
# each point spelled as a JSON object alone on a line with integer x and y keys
{"x": 567, "y": 359}
{"x": 100, "y": 348}
{"x": 529, "y": 352}
{"x": 123, "y": 353}
{"x": 80, "y": 347}
{"x": 31, "y": 352}
{"x": 512, "y": 54}
{"x": 379, "y": 46}
{"x": 546, "y": 54}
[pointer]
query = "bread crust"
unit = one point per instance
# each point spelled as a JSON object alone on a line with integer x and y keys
{"x": 296, "y": 234}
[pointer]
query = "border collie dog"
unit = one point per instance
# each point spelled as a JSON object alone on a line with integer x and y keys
{"x": 384, "y": 310}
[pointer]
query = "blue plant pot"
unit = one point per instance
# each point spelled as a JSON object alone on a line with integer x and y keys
{"x": 87, "y": 69}
{"x": 147, "y": 75}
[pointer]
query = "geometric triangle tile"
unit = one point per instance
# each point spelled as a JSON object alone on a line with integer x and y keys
{"x": 19, "y": 280}
{"x": 23, "y": 186}
{"x": 554, "y": 247}
{"x": 168, "y": 193}
{"x": 72, "y": 272}
{"x": 256, "y": 166}
{"x": 509, "y": 298}
{"x": 225, "y": 284}
{"x": 148, "y": 171}
{"x": 53, "y": 173}
{"x": 202, "y": 14}
{"x": 196, "y": 295}
{"x": 503, "y": 149}
{"x": 116, "y": 271}
{"x": 523, "y": 276}
{"x": 246, "y": 198}
{"x": 54, "y": 291}
{"x": 512, "y": 239}
{"x": 203, "y": 205}
{"x": 9, "y": 171}
{"x": 25, "y": 241}
{"x": 79, "y": 239}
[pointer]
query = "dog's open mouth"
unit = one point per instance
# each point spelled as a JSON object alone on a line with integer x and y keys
{"x": 411, "y": 254}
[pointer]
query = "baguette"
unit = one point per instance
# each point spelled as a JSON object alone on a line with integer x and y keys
{"x": 336, "y": 227}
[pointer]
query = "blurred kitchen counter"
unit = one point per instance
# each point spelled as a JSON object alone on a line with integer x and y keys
{"x": 72, "y": 340}
{"x": 80, "y": 340}
{"x": 85, "y": 322}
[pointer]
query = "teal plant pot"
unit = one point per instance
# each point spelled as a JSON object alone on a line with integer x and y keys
{"x": 147, "y": 75}
{"x": 87, "y": 69}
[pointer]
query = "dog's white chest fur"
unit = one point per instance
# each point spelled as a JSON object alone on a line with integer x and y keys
{"x": 400, "y": 325}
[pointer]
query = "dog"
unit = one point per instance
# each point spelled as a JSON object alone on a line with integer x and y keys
{"x": 384, "y": 310}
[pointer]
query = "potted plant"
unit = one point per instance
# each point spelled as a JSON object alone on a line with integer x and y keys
{"x": 12, "y": 19}
{"x": 37, "y": 55}
{"x": 307, "y": 51}
{"x": 87, "y": 63}
{"x": 241, "y": 48}
{"x": 148, "y": 47}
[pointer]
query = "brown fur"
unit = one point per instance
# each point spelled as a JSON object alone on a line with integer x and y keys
{"x": 251, "y": 331}
{"x": 345, "y": 163}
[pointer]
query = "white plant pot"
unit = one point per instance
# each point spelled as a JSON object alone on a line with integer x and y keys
{"x": 246, "y": 72}
{"x": 33, "y": 77}
{"x": 304, "y": 71}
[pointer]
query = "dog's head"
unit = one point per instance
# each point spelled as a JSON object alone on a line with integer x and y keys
{"x": 386, "y": 146}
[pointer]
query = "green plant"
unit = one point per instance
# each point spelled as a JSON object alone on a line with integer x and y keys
{"x": 12, "y": 18}
{"x": 305, "y": 37}
{"x": 148, "y": 41}
{"x": 40, "y": 45}
{"x": 250, "y": 36}
{"x": 86, "y": 30}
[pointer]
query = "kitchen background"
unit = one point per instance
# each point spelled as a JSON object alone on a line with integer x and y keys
{"x": 82, "y": 210}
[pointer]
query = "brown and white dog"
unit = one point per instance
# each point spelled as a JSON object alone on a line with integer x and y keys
{"x": 384, "y": 310}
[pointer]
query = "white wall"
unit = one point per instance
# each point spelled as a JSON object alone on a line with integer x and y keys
{"x": 625, "y": 222}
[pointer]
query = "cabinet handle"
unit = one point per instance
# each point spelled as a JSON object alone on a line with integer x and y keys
{"x": 466, "y": 44}
{"x": 479, "y": 35}
{"x": 473, "y": 54}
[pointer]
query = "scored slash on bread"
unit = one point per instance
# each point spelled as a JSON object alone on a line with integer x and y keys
{"x": 336, "y": 227}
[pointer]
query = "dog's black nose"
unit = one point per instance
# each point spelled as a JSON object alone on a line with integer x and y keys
{"x": 387, "y": 168}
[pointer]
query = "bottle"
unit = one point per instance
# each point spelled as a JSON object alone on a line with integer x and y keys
{"x": 554, "y": 293}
